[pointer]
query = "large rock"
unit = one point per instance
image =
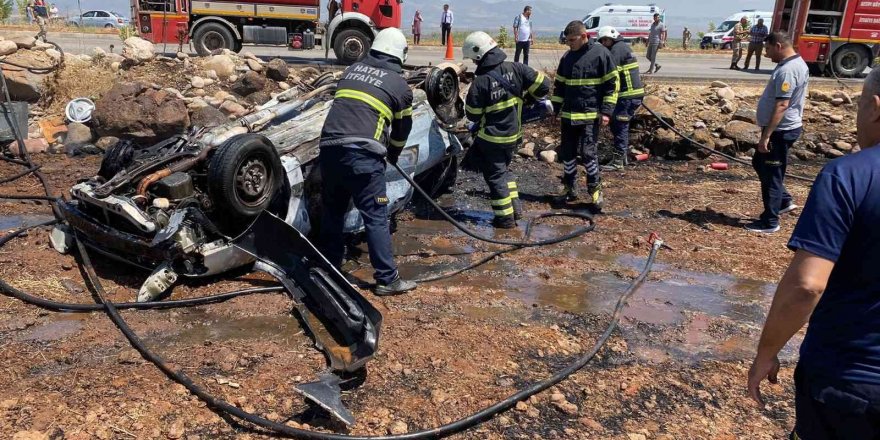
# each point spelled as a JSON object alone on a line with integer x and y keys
{"x": 24, "y": 85}
{"x": 659, "y": 106}
{"x": 78, "y": 134}
{"x": 208, "y": 117}
{"x": 25, "y": 42}
{"x": 704, "y": 137}
{"x": 254, "y": 65}
{"x": 746, "y": 115}
{"x": 719, "y": 85}
{"x": 7, "y": 47}
{"x": 249, "y": 83}
{"x": 277, "y": 69}
{"x": 745, "y": 135}
{"x": 32, "y": 146}
{"x": 818, "y": 95}
{"x": 548, "y": 156}
{"x": 138, "y": 50}
{"x": 135, "y": 110}
{"x": 726, "y": 93}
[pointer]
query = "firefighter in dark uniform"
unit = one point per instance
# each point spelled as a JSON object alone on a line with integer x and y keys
{"x": 494, "y": 104}
{"x": 584, "y": 97}
{"x": 631, "y": 90}
{"x": 370, "y": 120}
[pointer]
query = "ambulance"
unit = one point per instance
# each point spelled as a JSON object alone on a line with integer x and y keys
{"x": 633, "y": 22}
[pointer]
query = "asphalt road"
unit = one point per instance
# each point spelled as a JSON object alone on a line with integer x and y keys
{"x": 674, "y": 65}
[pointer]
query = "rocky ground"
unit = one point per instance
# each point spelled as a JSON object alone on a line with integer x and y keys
{"x": 674, "y": 370}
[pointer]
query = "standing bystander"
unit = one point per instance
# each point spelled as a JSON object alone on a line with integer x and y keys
{"x": 656, "y": 37}
{"x": 756, "y": 45}
{"x": 417, "y": 28}
{"x": 740, "y": 34}
{"x": 522, "y": 33}
{"x": 833, "y": 282}
{"x": 446, "y": 20}
{"x": 780, "y": 115}
{"x": 686, "y": 39}
{"x": 29, "y": 11}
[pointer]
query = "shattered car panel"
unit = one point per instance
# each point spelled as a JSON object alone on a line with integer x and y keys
{"x": 248, "y": 193}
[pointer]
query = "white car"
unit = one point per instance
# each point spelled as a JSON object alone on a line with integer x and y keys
{"x": 101, "y": 19}
{"x": 632, "y": 21}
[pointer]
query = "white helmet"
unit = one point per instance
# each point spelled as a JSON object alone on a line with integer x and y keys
{"x": 607, "y": 32}
{"x": 391, "y": 41}
{"x": 477, "y": 44}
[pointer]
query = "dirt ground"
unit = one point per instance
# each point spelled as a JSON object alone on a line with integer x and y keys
{"x": 674, "y": 370}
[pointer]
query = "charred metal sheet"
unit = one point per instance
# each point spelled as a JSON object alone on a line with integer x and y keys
{"x": 344, "y": 324}
{"x": 328, "y": 395}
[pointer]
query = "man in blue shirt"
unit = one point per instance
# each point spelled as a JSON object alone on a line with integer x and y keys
{"x": 780, "y": 115}
{"x": 757, "y": 34}
{"x": 834, "y": 282}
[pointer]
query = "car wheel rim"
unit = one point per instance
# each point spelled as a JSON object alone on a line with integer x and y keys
{"x": 353, "y": 47}
{"x": 253, "y": 182}
{"x": 213, "y": 41}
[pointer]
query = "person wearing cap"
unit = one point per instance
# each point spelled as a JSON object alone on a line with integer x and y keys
{"x": 631, "y": 90}
{"x": 369, "y": 122}
{"x": 494, "y": 104}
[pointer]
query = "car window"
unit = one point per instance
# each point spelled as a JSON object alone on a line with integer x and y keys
{"x": 726, "y": 26}
{"x": 102, "y": 14}
{"x": 592, "y": 23}
{"x": 89, "y": 14}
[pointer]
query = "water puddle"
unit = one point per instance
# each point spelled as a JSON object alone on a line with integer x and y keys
{"x": 19, "y": 221}
{"x": 675, "y": 315}
{"x": 51, "y": 331}
{"x": 200, "y": 327}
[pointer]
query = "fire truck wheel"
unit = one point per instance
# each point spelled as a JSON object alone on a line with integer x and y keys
{"x": 351, "y": 45}
{"x": 213, "y": 36}
{"x": 243, "y": 175}
{"x": 850, "y": 61}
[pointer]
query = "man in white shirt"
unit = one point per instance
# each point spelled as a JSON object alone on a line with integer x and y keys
{"x": 522, "y": 33}
{"x": 446, "y": 24}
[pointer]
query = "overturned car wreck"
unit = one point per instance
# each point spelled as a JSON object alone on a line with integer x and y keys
{"x": 247, "y": 194}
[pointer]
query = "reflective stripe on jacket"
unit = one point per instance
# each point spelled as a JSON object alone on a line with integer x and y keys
{"x": 495, "y": 109}
{"x": 586, "y": 84}
{"x": 372, "y": 107}
{"x": 631, "y": 85}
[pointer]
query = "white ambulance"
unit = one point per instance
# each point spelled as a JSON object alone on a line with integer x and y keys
{"x": 723, "y": 35}
{"x": 633, "y": 22}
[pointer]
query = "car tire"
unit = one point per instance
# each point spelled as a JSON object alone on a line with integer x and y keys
{"x": 351, "y": 45}
{"x": 211, "y": 36}
{"x": 243, "y": 176}
{"x": 726, "y": 46}
{"x": 109, "y": 26}
{"x": 850, "y": 61}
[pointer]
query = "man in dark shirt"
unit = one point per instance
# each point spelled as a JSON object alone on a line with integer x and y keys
{"x": 757, "y": 34}
{"x": 833, "y": 281}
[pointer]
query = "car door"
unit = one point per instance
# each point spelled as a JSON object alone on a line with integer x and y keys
{"x": 87, "y": 19}
{"x": 102, "y": 18}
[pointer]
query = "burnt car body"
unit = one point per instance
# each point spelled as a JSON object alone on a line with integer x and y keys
{"x": 247, "y": 194}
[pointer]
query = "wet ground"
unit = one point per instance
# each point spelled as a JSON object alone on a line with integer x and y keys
{"x": 675, "y": 368}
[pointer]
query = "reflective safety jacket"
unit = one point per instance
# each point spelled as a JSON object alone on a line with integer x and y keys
{"x": 498, "y": 111}
{"x": 630, "y": 81}
{"x": 586, "y": 85}
{"x": 372, "y": 107}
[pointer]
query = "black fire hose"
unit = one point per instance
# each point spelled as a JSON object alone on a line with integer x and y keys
{"x": 713, "y": 151}
{"x": 460, "y": 425}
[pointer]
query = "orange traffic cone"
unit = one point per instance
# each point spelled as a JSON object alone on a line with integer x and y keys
{"x": 450, "y": 56}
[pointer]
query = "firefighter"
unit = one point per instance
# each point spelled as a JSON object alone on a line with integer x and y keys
{"x": 584, "y": 97}
{"x": 370, "y": 120}
{"x": 494, "y": 104}
{"x": 631, "y": 90}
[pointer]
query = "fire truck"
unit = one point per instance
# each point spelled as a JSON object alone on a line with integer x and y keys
{"x": 212, "y": 25}
{"x": 833, "y": 36}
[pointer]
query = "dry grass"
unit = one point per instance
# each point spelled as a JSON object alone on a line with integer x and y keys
{"x": 77, "y": 80}
{"x": 49, "y": 287}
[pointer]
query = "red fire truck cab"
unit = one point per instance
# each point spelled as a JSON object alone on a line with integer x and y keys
{"x": 212, "y": 25}
{"x": 835, "y": 36}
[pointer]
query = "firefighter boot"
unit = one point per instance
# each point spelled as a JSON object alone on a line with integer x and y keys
{"x": 504, "y": 222}
{"x": 569, "y": 193}
{"x": 618, "y": 162}
{"x": 518, "y": 209}
{"x": 596, "y": 198}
